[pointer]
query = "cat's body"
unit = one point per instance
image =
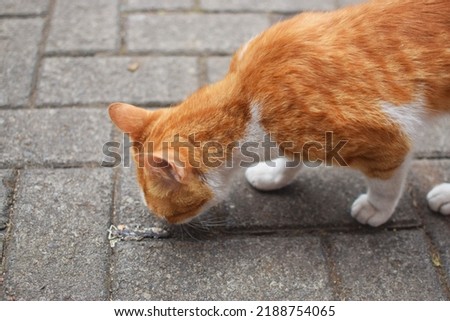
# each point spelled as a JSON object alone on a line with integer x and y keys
{"x": 372, "y": 74}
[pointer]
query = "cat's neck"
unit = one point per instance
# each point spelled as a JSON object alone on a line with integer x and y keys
{"x": 219, "y": 112}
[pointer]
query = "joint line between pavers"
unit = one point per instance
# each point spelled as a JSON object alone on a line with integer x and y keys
{"x": 202, "y": 71}
{"x": 41, "y": 54}
{"x": 103, "y": 105}
{"x": 23, "y": 16}
{"x": 8, "y": 235}
{"x": 24, "y": 165}
{"x": 333, "y": 276}
{"x": 112, "y": 221}
{"x": 434, "y": 259}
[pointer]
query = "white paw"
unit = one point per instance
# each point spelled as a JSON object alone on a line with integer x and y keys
{"x": 269, "y": 178}
{"x": 365, "y": 213}
{"x": 439, "y": 199}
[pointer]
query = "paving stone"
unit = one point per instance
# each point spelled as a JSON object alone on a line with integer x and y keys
{"x": 283, "y": 6}
{"x": 228, "y": 269}
{"x": 19, "y": 40}
{"x": 59, "y": 248}
{"x": 67, "y": 136}
{"x": 386, "y": 266}
{"x": 320, "y": 197}
{"x": 73, "y": 23}
{"x": 217, "y": 68}
{"x": 434, "y": 139}
{"x": 23, "y": 7}
{"x": 85, "y": 80}
{"x": 6, "y": 184}
{"x": 429, "y": 173}
{"x": 134, "y": 5}
{"x": 343, "y": 3}
{"x": 192, "y": 33}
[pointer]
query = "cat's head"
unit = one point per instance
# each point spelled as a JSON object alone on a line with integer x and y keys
{"x": 173, "y": 188}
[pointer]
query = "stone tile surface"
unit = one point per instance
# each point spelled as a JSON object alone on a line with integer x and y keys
{"x": 158, "y": 80}
{"x": 217, "y": 68}
{"x": 73, "y": 22}
{"x": 19, "y": 41}
{"x": 230, "y": 269}
{"x": 192, "y": 33}
{"x": 283, "y": 6}
{"x": 68, "y": 136}
{"x": 23, "y": 7}
{"x": 133, "y": 5}
{"x": 59, "y": 249}
{"x": 386, "y": 266}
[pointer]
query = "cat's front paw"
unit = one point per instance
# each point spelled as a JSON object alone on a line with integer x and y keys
{"x": 439, "y": 199}
{"x": 365, "y": 213}
{"x": 268, "y": 178}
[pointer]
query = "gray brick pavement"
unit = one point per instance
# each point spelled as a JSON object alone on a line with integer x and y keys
{"x": 58, "y": 248}
{"x": 88, "y": 80}
{"x": 217, "y": 68}
{"x": 297, "y": 243}
{"x": 23, "y": 7}
{"x": 230, "y": 269}
{"x": 19, "y": 40}
{"x": 386, "y": 266}
{"x": 73, "y": 23}
{"x": 134, "y": 5}
{"x": 192, "y": 33}
{"x": 6, "y": 186}
{"x": 318, "y": 198}
{"x": 62, "y": 137}
{"x": 342, "y": 3}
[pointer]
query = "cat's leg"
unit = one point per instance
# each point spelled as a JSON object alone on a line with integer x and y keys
{"x": 377, "y": 206}
{"x": 439, "y": 199}
{"x": 267, "y": 177}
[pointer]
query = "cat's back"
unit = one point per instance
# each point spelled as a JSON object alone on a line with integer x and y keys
{"x": 392, "y": 45}
{"x": 383, "y": 25}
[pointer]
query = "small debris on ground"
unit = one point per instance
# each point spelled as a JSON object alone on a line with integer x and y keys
{"x": 132, "y": 67}
{"x": 135, "y": 233}
{"x": 436, "y": 260}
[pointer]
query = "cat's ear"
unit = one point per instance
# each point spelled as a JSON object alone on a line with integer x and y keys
{"x": 165, "y": 167}
{"x": 129, "y": 119}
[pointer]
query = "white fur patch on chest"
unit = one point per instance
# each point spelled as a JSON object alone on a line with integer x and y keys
{"x": 410, "y": 117}
{"x": 219, "y": 179}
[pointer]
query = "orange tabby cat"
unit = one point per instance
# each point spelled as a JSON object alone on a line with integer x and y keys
{"x": 371, "y": 74}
